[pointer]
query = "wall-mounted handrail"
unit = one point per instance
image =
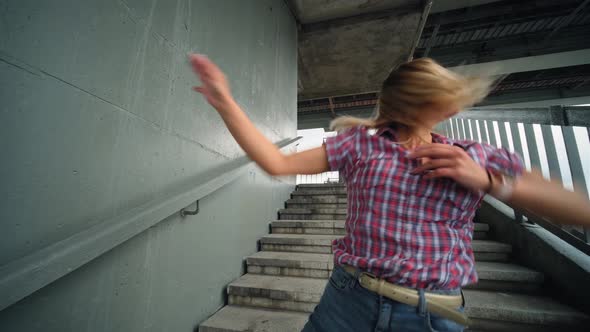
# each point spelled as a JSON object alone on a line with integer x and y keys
{"x": 28, "y": 274}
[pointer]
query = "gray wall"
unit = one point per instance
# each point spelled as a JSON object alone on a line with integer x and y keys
{"x": 97, "y": 116}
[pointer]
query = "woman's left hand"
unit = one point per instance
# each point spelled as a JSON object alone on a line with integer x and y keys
{"x": 452, "y": 162}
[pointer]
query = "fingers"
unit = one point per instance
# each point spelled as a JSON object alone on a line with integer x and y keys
{"x": 204, "y": 67}
{"x": 432, "y": 153}
{"x": 433, "y": 164}
{"x": 199, "y": 89}
{"x": 440, "y": 173}
{"x": 436, "y": 151}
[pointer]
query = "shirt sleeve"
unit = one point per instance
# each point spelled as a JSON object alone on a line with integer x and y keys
{"x": 500, "y": 160}
{"x": 341, "y": 149}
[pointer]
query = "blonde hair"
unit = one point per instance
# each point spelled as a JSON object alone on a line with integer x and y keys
{"x": 417, "y": 84}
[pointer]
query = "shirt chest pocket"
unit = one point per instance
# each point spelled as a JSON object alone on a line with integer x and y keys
{"x": 446, "y": 195}
{"x": 379, "y": 171}
{"x": 383, "y": 175}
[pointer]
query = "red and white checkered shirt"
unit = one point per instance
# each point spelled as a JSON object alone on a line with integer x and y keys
{"x": 408, "y": 230}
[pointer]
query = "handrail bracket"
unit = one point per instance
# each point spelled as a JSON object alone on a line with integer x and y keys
{"x": 184, "y": 212}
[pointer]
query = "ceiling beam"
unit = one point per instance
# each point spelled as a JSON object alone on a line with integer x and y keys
{"x": 546, "y": 102}
{"x": 567, "y": 20}
{"x": 386, "y": 14}
{"x": 421, "y": 25}
{"x": 430, "y": 41}
{"x": 504, "y": 10}
{"x": 531, "y": 63}
{"x": 534, "y": 97}
{"x": 447, "y": 5}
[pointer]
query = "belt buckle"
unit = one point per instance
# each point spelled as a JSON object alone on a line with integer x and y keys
{"x": 367, "y": 274}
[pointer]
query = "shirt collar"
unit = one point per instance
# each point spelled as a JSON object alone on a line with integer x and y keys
{"x": 390, "y": 133}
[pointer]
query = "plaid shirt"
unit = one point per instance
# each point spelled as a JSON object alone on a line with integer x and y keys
{"x": 410, "y": 231}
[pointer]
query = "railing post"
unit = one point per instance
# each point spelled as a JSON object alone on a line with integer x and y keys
{"x": 483, "y": 132}
{"x": 551, "y": 153}
{"x": 558, "y": 116}
{"x": 509, "y": 136}
{"x": 503, "y": 135}
{"x": 587, "y": 228}
{"x": 492, "y": 133}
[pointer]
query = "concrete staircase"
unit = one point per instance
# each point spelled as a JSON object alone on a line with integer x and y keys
{"x": 284, "y": 281}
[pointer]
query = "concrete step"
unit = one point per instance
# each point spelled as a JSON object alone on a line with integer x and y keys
{"x": 289, "y": 216}
{"x": 298, "y": 243}
{"x": 315, "y": 206}
{"x": 489, "y": 311}
{"x": 272, "y": 292}
{"x": 480, "y": 231}
{"x": 321, "y": 186}
{"x": 249, "y": 319}
{"x": 319, "y": 194}
{"x": 497, "y": 311}
{"x": 312, "y": 214}
{"x": 313, "y": 211}
{"x": 290, "y": 264}
{"x": 319, "y": 191}
{"x": 507, "y": 278}
{"x": 484, "y": 250}
{"x": 244, "y": 319}
{"x": 492, "y": 275}
{"x": 317, "y": 200}
{"x": 284, "y": 223}
{"x": 337, "y": 227}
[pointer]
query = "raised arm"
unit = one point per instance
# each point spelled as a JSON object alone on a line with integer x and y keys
{"x": 528, "y": 192}
{"x": 549, "y": 199}
{"x": 216, "y": 90}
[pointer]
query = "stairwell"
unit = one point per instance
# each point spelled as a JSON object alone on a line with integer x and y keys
{"x": 285, "y": 280}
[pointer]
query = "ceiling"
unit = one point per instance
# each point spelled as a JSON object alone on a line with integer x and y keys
{"x": 349, "y": 46}
{"x": 504, "y": 30}
{"x": 313, "y": 11}
{"x": 474, "y": 32}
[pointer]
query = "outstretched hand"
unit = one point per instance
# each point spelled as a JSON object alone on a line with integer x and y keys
{"x": 447, "y": 161}
{"x": 214, "y": 84}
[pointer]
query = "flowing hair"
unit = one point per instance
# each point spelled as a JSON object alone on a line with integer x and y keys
{"x": 415, "y": 85}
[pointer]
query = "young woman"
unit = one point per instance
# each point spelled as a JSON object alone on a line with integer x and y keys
{"x": 412, "y": 196}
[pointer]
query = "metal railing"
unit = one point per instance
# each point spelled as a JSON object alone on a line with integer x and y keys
{"x": 327, "y": 177}
{"x": 554, "y": 140}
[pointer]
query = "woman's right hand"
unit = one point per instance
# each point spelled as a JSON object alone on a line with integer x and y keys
{"x": 216, "y": 89}
{"x": 446, "y": 161}
{"x": 214, "y": 86}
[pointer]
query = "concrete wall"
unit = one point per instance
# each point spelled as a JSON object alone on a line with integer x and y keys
{"x": 97, "y": 117}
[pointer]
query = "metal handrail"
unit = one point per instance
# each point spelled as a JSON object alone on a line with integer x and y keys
{"x": 555, "y": 115}
{"x": 28, "y": 274}
{"x": 485, "y": 125}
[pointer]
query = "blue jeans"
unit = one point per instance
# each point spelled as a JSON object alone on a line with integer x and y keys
{"x": 347, "y": 306}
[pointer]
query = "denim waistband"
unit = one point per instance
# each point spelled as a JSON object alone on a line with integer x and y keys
{"x": 454, "y": 291}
